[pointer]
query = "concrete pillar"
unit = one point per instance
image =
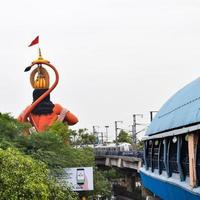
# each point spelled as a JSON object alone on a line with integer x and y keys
{"x": 130, "y": 182}
{"x": 107, "y": 163}
{"x": 139, "y": 166}
{"x": 119, "y": 162}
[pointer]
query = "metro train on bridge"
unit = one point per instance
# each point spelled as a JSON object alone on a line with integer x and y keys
{"x": 122, "y": 149}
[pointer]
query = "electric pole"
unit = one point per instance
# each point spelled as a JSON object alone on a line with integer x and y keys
{"x": 95, "y": 133}
{"x": 116, "y": 128}
{"x": 102, "y": 137}
{"x": 106, "y": 134}
{"x": 151, "y": 115}
{"x": 134, "y": 127}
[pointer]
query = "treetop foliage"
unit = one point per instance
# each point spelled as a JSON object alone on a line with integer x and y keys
{"x": 29, "y": 164}
{"x": 22, "y": 177}
{"x": 124, "y": 137}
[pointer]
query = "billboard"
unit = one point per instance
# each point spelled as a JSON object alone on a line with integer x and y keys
{"x": 79, "y": 178}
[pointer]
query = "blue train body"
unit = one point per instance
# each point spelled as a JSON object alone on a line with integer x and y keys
{"x": 172, "y": 147}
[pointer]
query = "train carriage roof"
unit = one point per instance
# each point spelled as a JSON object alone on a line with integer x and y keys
{"x": 180, "y": 112}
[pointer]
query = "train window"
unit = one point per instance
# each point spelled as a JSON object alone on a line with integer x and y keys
{"x": 198, "y": 161}
{"x": 145, "y": 154}
{"x": 184, "y": 156}
{"x": 161, "y": 156}
{"x": 150, "y": 154}
{"x": 155, "y": 155}
{"x": 173, "y": 166}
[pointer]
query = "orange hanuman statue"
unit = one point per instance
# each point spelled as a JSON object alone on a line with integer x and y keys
{"x": 42, "y": 113}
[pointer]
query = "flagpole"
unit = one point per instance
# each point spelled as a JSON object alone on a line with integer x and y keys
{"x": 39, "y": 56}
{"x": 39, "y": 51}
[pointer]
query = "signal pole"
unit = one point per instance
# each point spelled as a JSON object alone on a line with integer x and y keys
{"x": 116, "y": 128}
{"x": 134, "y": 127}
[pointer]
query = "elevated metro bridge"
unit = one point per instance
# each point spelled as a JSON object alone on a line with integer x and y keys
{"x": 129, "y": 162}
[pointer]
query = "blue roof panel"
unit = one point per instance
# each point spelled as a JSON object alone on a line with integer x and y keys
{"x": 180, "y": 110}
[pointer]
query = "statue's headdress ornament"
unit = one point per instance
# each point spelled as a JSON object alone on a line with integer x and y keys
{"x": 39, "y": 77}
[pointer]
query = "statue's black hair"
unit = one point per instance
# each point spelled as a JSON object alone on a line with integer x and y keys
{"x": 45, "y": 107}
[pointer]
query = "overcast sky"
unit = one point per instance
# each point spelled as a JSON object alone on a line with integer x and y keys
{"x": 115, "y": 57}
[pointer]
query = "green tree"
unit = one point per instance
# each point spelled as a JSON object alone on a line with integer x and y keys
{"x": 10, "y": 129}
{"x": 73, "y": 135}
{"x": 102, "y": 186}
{"x": 140, "y": 145}
{"x": 23, "y": 178}
{"x": 60, "y": 129}
{"x": 50, "y": 148}
{"x": 83, "y": 137}
{"x": 124, "y": 137}
{"x": 51, "y": 154}
{"x": 113, "y": 174}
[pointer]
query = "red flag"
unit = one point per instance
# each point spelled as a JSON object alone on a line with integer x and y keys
{"x": 35, "y": 41}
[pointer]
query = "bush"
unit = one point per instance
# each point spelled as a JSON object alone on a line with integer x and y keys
{"x": 22, "y": 177}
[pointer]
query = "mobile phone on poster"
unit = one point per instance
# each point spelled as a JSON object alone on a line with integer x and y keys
{"x": 80, "y": 176}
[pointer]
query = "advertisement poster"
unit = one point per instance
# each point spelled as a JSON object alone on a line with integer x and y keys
{"x": 80, "y": 179}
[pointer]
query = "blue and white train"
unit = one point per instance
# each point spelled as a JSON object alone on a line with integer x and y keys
{"x": 122, "y": 149}
{"x": 172, "y": 147}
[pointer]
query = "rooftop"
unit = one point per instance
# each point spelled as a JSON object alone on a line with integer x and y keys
{"x": 182, "y": 109}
